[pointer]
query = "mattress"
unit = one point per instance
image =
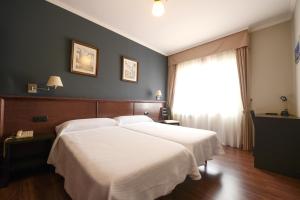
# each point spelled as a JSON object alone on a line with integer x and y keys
{"x": 203, "y": 144}
{"x": 116, "y": 163}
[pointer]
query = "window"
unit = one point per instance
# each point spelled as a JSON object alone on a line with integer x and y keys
{"x": 207, "y": 95}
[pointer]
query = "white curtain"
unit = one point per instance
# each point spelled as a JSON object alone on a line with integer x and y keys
{"x": 207, "y": 96}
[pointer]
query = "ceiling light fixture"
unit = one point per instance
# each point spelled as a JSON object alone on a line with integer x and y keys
{"x": 158, "y": 8}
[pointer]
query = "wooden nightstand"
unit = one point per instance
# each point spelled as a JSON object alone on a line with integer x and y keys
{"x": 170, "y": 122}
{"x": 24, "y": 154}
{"x": 165, "y": 116}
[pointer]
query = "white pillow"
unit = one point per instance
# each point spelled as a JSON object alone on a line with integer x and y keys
{"x": 132, "y": 119}
{"x": 84, "y": 124}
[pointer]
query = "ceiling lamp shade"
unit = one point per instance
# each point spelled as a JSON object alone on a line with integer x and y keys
{"x": 158, "y": 8}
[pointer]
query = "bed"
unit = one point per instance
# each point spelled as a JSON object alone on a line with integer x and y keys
{"x": 203, "y": 144}
{"x": 100, "y": 160}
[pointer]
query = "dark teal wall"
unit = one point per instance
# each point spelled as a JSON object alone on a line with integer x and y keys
{"x": 36, "y": 42}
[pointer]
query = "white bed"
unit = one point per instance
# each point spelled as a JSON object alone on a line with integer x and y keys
{"x": 204, "y": 144}
{"x": 110, "y": 162}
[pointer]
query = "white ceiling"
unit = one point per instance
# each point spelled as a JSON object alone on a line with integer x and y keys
{"x": 185, "y": 24}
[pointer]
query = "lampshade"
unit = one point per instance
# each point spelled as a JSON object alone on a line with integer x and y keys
{"x": 158, "y": 93}
{"x": 158, "y": 8}
{"x": 54, "y": 81}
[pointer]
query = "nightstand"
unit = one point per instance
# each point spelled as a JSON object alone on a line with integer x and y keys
{"x": 170, "y": 122}
{"x": 165, "y": 116}
{"x": 24, "y": 154}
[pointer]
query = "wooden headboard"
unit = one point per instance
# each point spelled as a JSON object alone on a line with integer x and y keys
{"x": 121, "y": 108}
{"x": 115, "y": 108}
{"x": 42, "y": 114}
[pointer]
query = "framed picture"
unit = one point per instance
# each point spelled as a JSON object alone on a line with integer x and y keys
{"x": 84, "y": 59}
{"x": 297, "y": 52}
{"x": 130, "y": 70}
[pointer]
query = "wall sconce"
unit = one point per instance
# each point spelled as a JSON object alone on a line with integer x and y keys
{"x": 53, "y": 83}
{"x": 158, "y": 94}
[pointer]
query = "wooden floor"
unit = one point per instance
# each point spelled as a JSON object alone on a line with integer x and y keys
{"x": 228, "y": 177}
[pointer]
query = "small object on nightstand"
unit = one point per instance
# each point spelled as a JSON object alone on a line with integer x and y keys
{"x": 24, "y": 134}
{"x": 285, "y": 113}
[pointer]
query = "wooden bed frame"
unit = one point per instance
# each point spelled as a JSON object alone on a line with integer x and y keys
{"x": 29, "y": 113}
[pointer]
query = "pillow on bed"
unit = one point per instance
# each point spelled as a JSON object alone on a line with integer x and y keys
{"x": 84, "y": 124}
{"x": 132, "y": 119}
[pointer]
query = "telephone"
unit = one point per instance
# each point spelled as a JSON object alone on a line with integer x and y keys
{"x": 24, "y": 134}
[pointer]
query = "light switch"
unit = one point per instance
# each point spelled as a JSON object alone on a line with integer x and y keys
{"x": 32, "y": 88}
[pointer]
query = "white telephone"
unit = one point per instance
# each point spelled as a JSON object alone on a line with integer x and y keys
{"x": 24, "y": 134}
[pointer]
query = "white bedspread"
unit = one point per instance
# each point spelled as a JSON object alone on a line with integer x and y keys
{"x": 203, "y": 144}
{"x": 115, "y": 163}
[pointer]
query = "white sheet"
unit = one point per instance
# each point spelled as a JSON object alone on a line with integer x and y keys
{"x": 131, "y": 119}
{"x": 115, "y": 163}
{"x": 203, "y": 144}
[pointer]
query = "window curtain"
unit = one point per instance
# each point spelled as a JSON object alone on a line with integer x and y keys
{"x": 233, "y": 41}
{"x": 247, "y": 136}
{"x": 171, "y": 85}
{"x": 207, "y": 96}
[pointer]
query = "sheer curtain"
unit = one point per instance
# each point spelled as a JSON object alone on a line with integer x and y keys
{"x": 207, "y": 96}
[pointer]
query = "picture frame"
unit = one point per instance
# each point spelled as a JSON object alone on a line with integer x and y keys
{"x": 84, "y": 59}
{"x": 130, "y": 69}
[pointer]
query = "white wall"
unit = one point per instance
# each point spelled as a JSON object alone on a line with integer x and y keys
{"x": 271, "y": 68}
{"x": 296, "y": 37}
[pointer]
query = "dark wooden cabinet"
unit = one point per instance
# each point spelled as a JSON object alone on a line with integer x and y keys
{"x": 24, "y": 154}
{"x": 277, "y": 144}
